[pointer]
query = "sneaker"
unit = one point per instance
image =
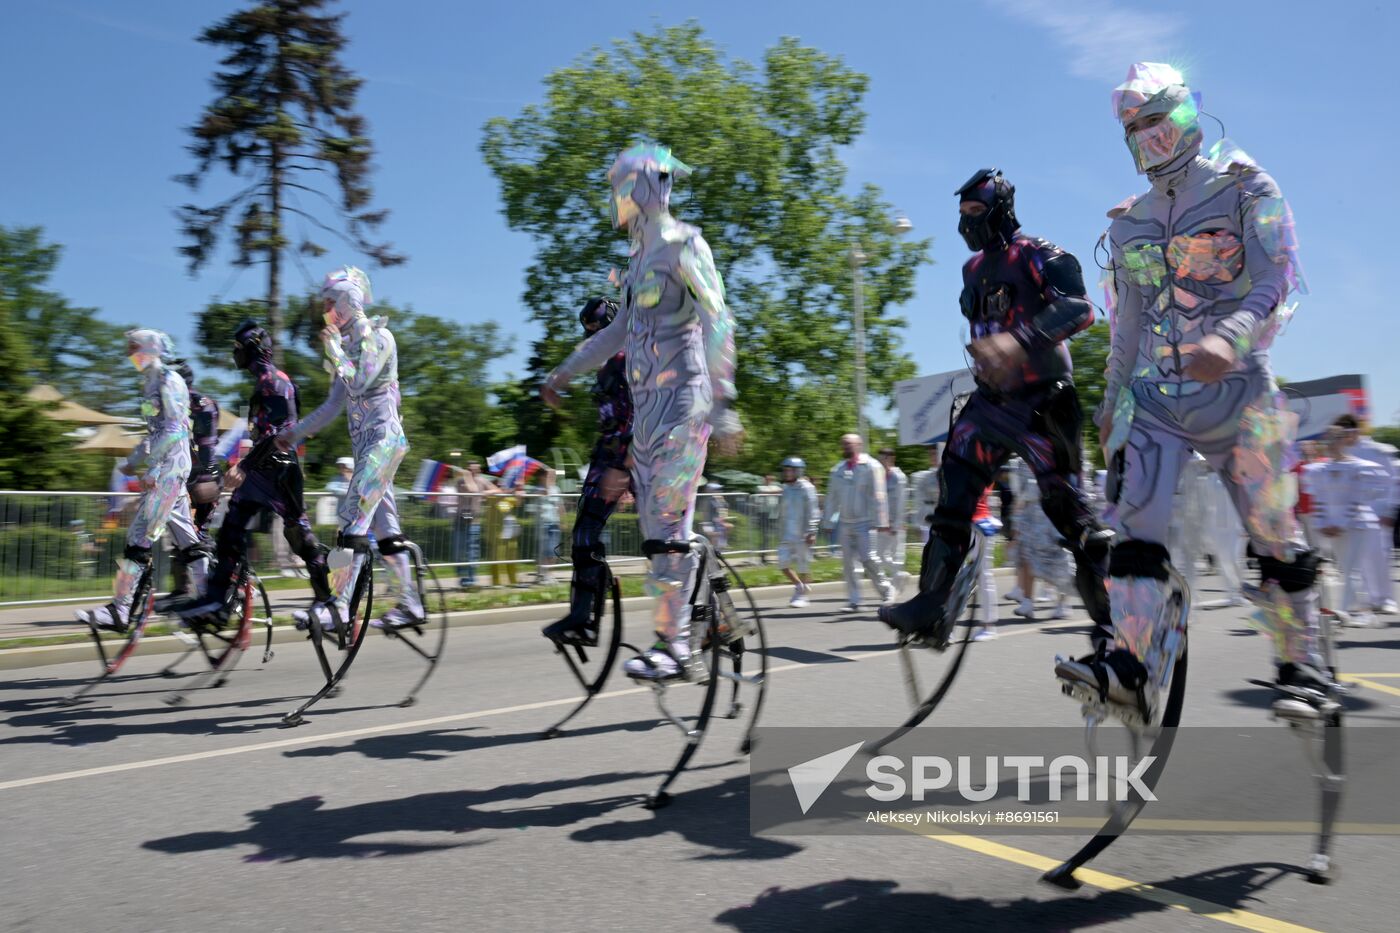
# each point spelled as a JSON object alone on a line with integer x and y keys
{"x": 108, "y": 618}
{"x": 1304, "y": 694}
{"x": 171, "y": 601}
{"x": 400, "y": 617}
{"x": 1113, "y": 677}
{"x": 850, "y": 608}
{"x": 1015, "y": 595}
{"x": 204, "y": 613}
{"x": 1389, "y": 608}
{"x": 1360, "y": 619}
{"x": 656, "y": 663}
{"x": 1026, "y": 610}
{"x": 321, "y": 612}
{"x": 1061, "y": 611}
{"x": 887, "y": 594}
{"x": 985, "y": 633}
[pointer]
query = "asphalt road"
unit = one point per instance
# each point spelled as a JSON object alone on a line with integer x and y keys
{"x": 126, "y": 814}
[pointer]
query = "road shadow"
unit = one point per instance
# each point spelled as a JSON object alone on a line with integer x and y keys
{"x": 80, "y": 725}
{"x": 1263, "y": 699}
{"x": 437, "y": 744}
{"x": 307, "y": 828}
{"x": 874, "y": 906}
{"x": 714, "y": 817}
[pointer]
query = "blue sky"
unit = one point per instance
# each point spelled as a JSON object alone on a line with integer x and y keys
{"x": 98, "y": 95}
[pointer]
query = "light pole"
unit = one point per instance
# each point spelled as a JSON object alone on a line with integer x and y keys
{"x": 901, "y": 226}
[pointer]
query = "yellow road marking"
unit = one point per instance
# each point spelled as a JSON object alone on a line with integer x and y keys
{"x": 1234, "y": 916}
{"x": 1366, "y": 681}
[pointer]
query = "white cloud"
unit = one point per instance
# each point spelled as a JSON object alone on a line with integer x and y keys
{"x": 1102, "y": 38}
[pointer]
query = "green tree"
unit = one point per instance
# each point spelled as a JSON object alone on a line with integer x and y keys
{"x": 1089, "y": 349}
{"x": 284, "y": 124}
{"x": 69, "y": 348}
{"x": 769, "y": 190}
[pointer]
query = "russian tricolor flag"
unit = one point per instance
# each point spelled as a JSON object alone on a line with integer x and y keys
{"x": 432, "y": 476}
{"x": 513, "y": 466}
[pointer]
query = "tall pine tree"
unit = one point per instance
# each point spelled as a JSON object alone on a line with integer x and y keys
{"x": 283, "y": 124}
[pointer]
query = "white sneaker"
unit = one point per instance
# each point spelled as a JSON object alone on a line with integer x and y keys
{"x": 1389, "y": 608}
{"x": 1360, "y": 620}
{"x": 799, "y": 602}
{"x": 654, "y": 664}
{"x": 850, "y": 608}
{"x": 1026, "y": 610}
{"x": 320, "y": 611}
{"x": 887, "y": 594}
{"x": 400, "y": 616}
{"x": 1015, "y": 595}
{"x": 985, "y": 633}
{"x": 1061, "y": 611}
{"x": 105, "y": 617}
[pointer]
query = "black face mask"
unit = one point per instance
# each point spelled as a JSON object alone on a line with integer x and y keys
{"x": 977, "y": 232}
{"x": 994, "y": 227}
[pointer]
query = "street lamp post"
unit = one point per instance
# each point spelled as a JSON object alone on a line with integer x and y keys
{"x": 856, "y": 257}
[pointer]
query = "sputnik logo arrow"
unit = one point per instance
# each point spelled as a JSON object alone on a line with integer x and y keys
{"x": 811, "y": 778}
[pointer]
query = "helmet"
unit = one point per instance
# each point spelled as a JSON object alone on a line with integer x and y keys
{"x": 250, "y": 343}
{"x": 996, "y": 226}
{"x": 349, "y": 289}
{"x": 1154, "y": 89}
{"x": 144, "y": 347}
{"x": 186, "y": 372}
{"x": 797, "y": 463}
{"x": 600, "y": 311}
{"x": 641, "y": 181}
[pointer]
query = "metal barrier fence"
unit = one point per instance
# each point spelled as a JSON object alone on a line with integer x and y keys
{"x": 63, "y": 546}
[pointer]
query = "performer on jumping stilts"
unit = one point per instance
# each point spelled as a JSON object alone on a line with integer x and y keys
{"x": 1201, "y": 265}
{"x": 268, "y": 478}
{"x": 203, "y": 486}
{"x": 678, "y": 336}
{"x": 607, "y": 479}
{"x": 1024, "y": 297}
{"x": 363, "y": 360}
{"x": 163, "y": 461}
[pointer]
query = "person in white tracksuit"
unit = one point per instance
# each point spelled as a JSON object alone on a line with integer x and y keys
{"x": 891, "y": 543}
{"x": 1345, "y": 490}
{"x": 1204, "y": 522}
{"x": 798, "y": 515}
{"x": 924, "y": 487}
{"x": 1387, "y": 503}
{"x": 855, "y": 497}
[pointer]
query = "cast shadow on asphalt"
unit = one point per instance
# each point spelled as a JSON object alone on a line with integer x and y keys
{"x": 307, "y": 828}
{"x": 93, "y": 725}
{"x": 437, "y": 744}
{"x": 714, "y": 816}
{"x": 1262, "y": 699}
{"x": 878, "y": 905}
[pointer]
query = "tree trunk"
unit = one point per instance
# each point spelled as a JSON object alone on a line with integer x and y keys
{"x": 274, "y": 259}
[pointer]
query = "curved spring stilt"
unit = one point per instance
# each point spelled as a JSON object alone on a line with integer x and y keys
{"x": 592, "y": 687}
{"x": 961, "y": 598}
{"x": 349, "y": 636}
{"x": 421, "y": 573}
{"x": 736, "y": 650}
{"x": 1176, "y": 614}
{"x": 222, "y": 650}
{"x": 718, "y": 634}
{"x": 139, "y": 616}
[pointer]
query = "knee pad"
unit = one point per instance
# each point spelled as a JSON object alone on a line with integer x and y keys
{"x": 393, "y": 544}
{"x": 141, "y": 555}
{"x": 1139, "y": 559}
{"x": 194, "y": 553}
{"x": 357, "y": 543}
{"x": 1291, "y": 577}
{"x": 653, "y": 547}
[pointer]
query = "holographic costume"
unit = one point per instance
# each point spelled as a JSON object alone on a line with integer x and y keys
{"x": 163, "y": 461}
{"x": 598, "y": 499}
{"x": 1209, "y": 250}
{"x": 678, "y": 336}
{"x": 364, "y": 365}
{"x": 272, "y": 478}
{"x": 1033, "y": 290}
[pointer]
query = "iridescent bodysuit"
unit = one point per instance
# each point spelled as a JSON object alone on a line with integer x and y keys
{"x": 678, "y": 336}
{"x": 364, "y": 365}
